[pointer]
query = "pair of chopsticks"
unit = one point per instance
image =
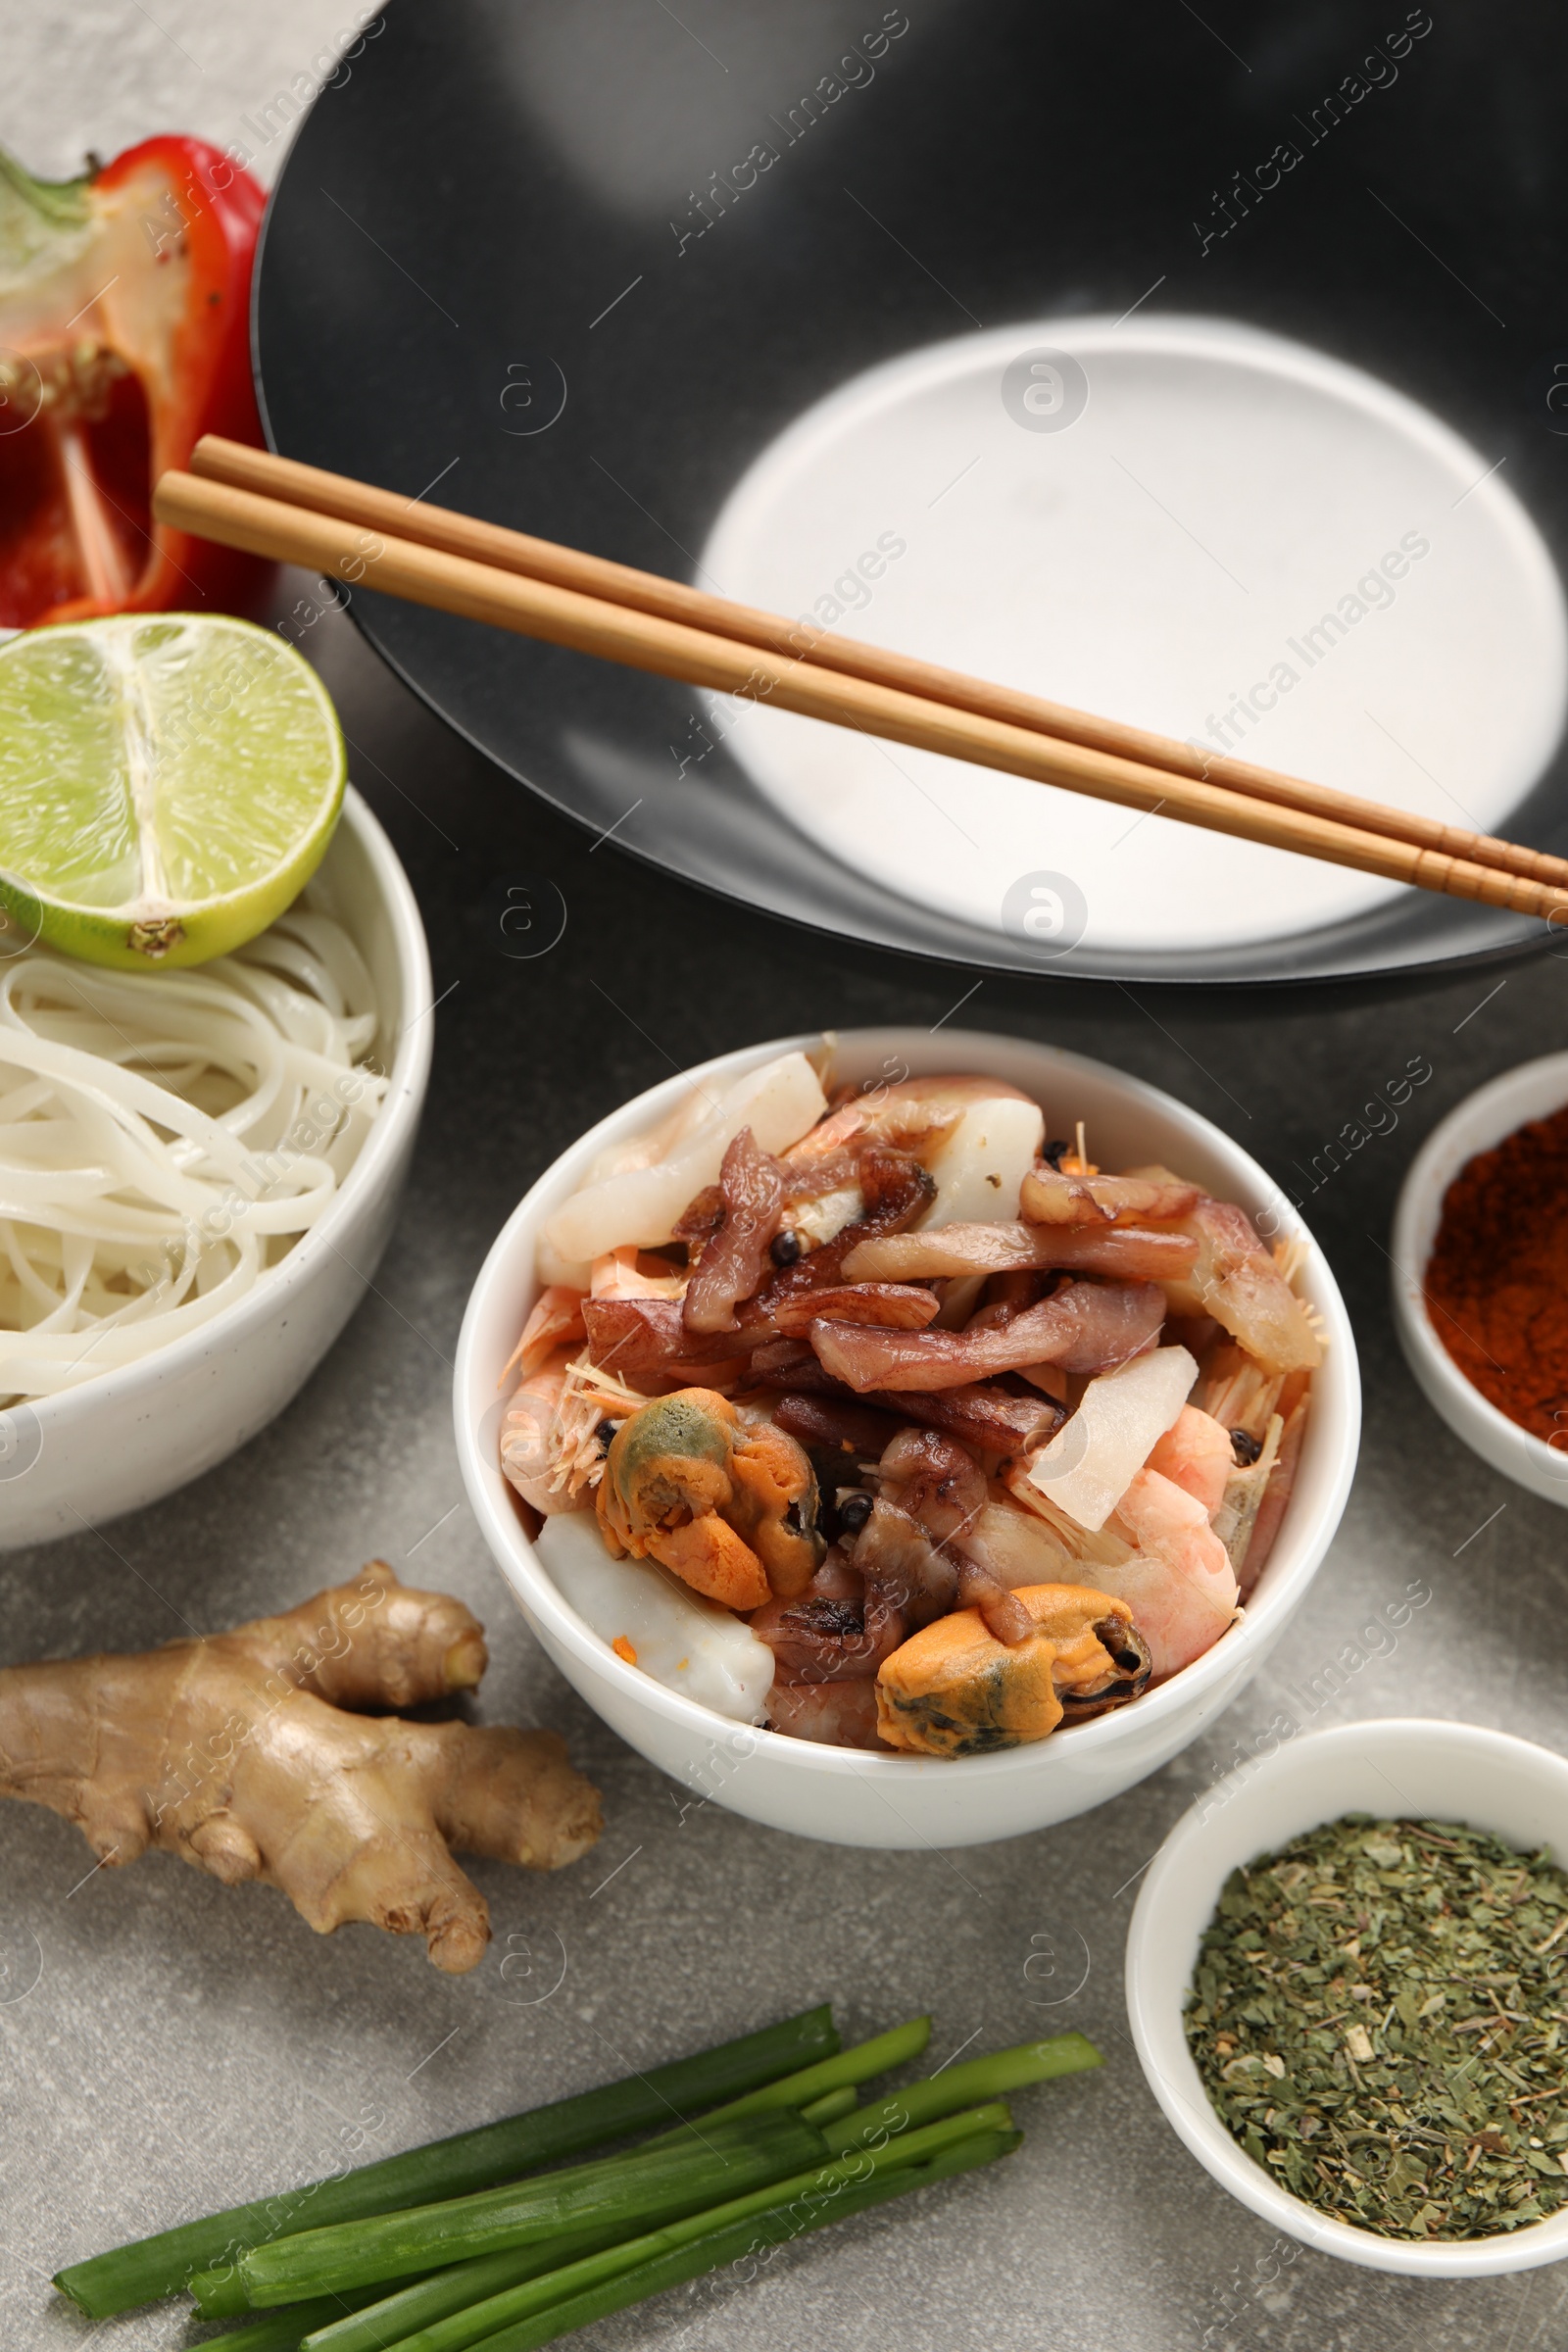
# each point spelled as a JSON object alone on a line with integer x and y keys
{"x": 270, "y": 506}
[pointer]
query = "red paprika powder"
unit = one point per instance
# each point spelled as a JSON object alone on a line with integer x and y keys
{"x": 1496, "y": 1283}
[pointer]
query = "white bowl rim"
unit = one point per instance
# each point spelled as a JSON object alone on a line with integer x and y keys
{"x": 533, "y": 1586}
{"x": 406, "y": 1084}
{"x": 1198, "y": 2126}
{"x": 1408, "y": 1282}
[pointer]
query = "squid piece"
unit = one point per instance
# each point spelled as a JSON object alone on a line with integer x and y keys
{"x": 1126, "y": 1253}
{"x": 1236, "y": 1281}
{"x": 1195, "y": 1452}
{"x": 1084, "y": 1328}
{"x": 637, "y": 1190}
{"x": 953, "y": 1689}
{"x": 733, "y": 1261}
{"x": 1178, "y": 1585}
{"x": 837, "y": 1714}
{"x": 1091, "y": 1461}
{"x": 731, "y": 1511}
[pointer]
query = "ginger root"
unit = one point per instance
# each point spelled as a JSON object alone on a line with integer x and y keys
{"x": 235, "y": 1752}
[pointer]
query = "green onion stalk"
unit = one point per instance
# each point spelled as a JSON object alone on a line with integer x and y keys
{"x": 466, "y": 2163}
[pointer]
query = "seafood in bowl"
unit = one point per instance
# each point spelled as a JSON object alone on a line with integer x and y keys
{"x": 886, "y": 1418}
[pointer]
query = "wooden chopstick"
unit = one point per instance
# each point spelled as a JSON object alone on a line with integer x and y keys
{"x": 257, "y": 470}
{"x": 562, "y": 615}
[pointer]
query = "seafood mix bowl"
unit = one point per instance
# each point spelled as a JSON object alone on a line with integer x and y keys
{"x": 141, "y": 1428}
{"x": 708, "y": 1723}
{"x": 1426, "y": 1771}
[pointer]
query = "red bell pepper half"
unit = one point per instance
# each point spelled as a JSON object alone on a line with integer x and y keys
{"x": 125, "y": 334}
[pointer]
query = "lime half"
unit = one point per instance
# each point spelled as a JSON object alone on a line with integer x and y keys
{"x": 169, "y": 782}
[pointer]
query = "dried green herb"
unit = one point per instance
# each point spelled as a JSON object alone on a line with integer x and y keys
{"x": 1377, "y": 2013}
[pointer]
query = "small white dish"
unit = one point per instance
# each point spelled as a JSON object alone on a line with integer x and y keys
{"x": 1531, "y": 1091}
{"x": 1404, "y": 1769}
{"x": 844, "y": 1795}
{"x": 137, "y": 1432}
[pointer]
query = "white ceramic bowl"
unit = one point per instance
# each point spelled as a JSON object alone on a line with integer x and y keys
{"x": 137, "y": 1433}
{"x": 848, "y": 1796}
{"x": 1531, "y": 1091}
{"x": 1409, "y": 1770}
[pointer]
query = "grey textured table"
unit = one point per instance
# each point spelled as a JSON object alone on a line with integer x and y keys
{"x": 182, "y": 2046}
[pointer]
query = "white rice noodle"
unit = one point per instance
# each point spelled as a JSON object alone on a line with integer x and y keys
{"x": 166, "y": 1137}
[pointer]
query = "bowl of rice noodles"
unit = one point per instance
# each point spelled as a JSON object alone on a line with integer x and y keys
{"x": 199, "y": 1171}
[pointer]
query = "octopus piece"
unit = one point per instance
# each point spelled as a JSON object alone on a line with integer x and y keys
{"x": 836, "y": 1714}
{"x": 953, "y": 1689}
{"x": 645, "y": 1342}
{"x": 1084, "y": 1328}
{"x": 1052, "y": 1197}
{"x": 902, "y": 1565}
{"x": 894, "y": 1190}
{"x": 940, "y": 1486}
{"x": 831, "y": 1635}
{"x": 992, "y": 1419}
{"x": 731, "y": 1511}
{"x": 890, "y": 1306}
{"x": 1126, "y": 1253}
{"x": 733, "y": 1258}
{"x": 829, "y": 1423}
{"x": 1235, "y": 1280}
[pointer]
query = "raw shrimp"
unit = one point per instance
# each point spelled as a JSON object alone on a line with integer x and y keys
{"x": 556, "y": 1316}
{"x": 1195, "y": 1454}
{"x": 618, "y": 1275}
{"x": 530, "y": 1438}
{"x": 1178, "y": 1583}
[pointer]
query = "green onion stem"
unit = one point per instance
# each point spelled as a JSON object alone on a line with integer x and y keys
{"x": 644, "y": 2187}
{"x": 742, "y": 2243}
{"x": 287, "y": 2330}
{"x": 466, "y": 2162}
{"x": 845, "y": 2069}
{"x": 832, "y": 2106}
{"x": 956, "y": 2087}
{"x": 482, "y": 2321}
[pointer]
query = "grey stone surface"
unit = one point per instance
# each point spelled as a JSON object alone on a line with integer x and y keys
{"x": 168, "y": 2045}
